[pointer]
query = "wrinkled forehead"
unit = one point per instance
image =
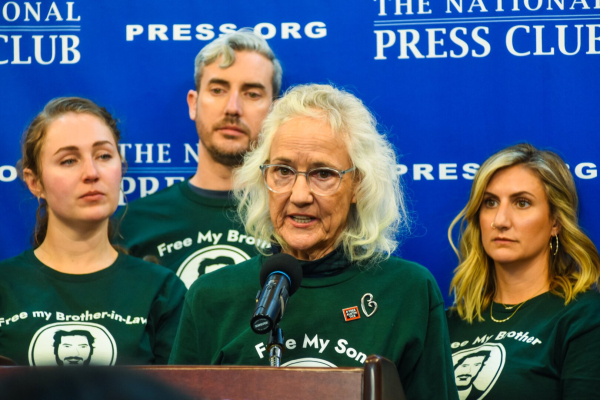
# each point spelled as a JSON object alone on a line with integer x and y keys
{"x": 310, "y": 140}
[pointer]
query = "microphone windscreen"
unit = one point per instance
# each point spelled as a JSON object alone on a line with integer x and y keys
{"x": 286, "y": 264}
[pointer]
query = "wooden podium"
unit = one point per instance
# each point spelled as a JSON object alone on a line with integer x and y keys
{"x": 378, "y": 380}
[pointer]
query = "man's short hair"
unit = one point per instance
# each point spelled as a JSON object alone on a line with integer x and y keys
{"x": 481, "y": 353}
{"x": 242, "y": 40}
{"x": 58, "y": 335}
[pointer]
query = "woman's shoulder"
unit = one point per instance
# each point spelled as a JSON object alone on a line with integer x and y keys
{"x": 410, "y": 277}
{"x": 586, "y": 302}
{"x": 400, "y": 266}
{"x": 18, "y": 262}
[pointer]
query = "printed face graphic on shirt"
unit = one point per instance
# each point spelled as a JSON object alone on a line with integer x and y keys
{"x": 468, "y": 367}
{"x": 309, "y": 362}
{"x": 211, "y": 264}
{"x": 477, "y": 369}
{"x": 73, "y": 347}
{"x": 207, "y": 260}
{"x": 72, "y": 344}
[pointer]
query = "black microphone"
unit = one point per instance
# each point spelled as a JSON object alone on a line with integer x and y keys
{"x": 280, "y": 277}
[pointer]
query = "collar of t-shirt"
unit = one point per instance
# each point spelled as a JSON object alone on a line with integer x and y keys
{"x": 212, "y": 194}
{"x": 332, "y": 264}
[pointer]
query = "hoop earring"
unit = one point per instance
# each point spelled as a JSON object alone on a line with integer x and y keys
{"x": 557, "y": 245}
{"x": 493, "y": 226}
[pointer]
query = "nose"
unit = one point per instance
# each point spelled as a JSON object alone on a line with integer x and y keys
{"x": 502, "y": 219}
{"x": 234, "y": 104}
{"x": 90, "y": 172}
{"x": 301, "y": 194}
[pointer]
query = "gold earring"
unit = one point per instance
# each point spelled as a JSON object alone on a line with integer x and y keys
{"x": 493, "y": 226}
{"x": 556, "y": 250}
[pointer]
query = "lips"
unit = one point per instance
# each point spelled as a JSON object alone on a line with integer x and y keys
{"x": 301, "y": 220}
{"x": 92, "y": 195}
{"x": 232, "y": 125}
{"x": 232, "y": 130}
{"x": 503, "y": 240}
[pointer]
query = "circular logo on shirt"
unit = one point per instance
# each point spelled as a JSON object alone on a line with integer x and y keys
{"x": 72, "y": 344}
{"x": 207, "y": 260}
{"x": 476, "y": 370}
{"x": 309, "y": 362}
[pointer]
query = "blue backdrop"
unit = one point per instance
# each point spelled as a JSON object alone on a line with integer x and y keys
{"x": 451, "y": 82}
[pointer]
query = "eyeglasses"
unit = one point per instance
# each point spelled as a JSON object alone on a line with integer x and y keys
{"x": 322, "y": 181}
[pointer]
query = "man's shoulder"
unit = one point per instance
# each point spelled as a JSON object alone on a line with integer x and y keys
{"x": 140, "y": 270}
{"x": 229, "y": 279}
{"x": 164, "y": 197}
{"x": 137, "y": 265}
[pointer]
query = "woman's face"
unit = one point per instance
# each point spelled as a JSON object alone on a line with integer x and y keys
{"x": 81, "y": 170}
{"x": 515, "y": 203}
{"x": 308, "y": 223}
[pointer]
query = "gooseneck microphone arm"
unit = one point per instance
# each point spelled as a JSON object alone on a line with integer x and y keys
{"x": 275, "y": 346}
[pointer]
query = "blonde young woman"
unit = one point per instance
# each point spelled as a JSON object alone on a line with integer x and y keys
{"x": 526, "y": 318}
{"x": 73, "y": 299}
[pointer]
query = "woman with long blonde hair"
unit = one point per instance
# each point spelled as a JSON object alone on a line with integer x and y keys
{"x": 526, "y": 318}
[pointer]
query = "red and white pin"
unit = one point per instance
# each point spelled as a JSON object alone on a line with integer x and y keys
{"x": 351, "y": 313}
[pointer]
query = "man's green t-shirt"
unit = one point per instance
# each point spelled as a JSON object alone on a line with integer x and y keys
{"x": 341, "y": 314}
{"x": 546, "y": 350}
{"x": 125, "y": 314}
{"x": 186, "y": 232}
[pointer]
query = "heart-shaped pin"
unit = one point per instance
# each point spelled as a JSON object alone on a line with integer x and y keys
{"x": 370, "y": 303}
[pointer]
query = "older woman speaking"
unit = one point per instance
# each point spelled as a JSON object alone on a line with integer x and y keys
{"x": 322, "y": 186}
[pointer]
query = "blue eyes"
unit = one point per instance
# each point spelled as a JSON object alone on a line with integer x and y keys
{"x": 72, "y": 161}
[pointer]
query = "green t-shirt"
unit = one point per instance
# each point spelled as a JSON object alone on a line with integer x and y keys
{"x": 188, "y": 233}
{"x": 407, "y": 326}
{"x": 125, "y": 314}
{"x": 546, "y": 350}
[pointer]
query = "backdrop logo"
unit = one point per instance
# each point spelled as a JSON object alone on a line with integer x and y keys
{"x": 205, "y": 32}
{"x": 414, "y": 29}
{"x": 38, "y": 33}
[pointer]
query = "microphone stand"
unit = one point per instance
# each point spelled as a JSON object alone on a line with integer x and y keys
{"x": 275, "y": 346}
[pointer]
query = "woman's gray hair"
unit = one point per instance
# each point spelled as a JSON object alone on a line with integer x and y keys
{"x": 242, "y": 40}
{"x": 379, "y": 214}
